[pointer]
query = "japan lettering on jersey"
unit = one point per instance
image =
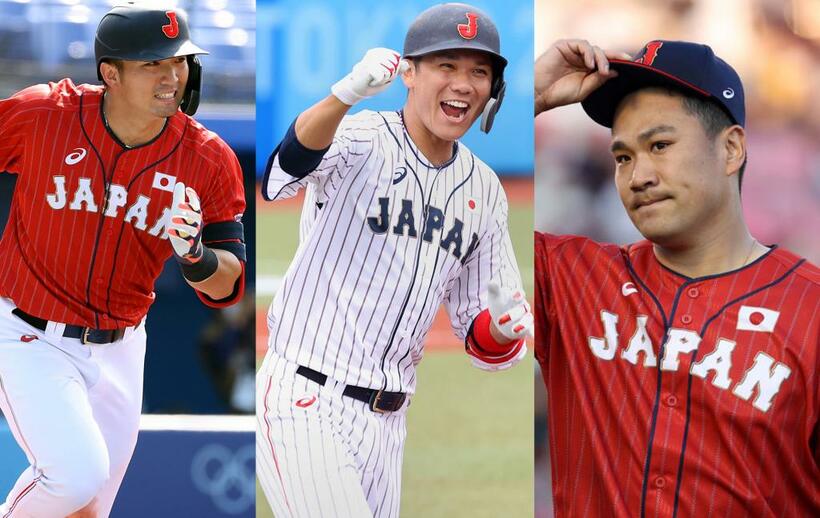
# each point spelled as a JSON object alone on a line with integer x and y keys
{"x": 86, "y": 236}
{"x": 672, "y": 396}
{"x": 386, "y": 237}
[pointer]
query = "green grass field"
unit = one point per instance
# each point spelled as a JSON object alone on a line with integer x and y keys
{"x": 469, "y": 450}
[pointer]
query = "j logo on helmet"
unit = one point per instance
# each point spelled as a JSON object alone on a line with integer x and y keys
{"x": 469, "y": 30}
{"x": 172, "y": 29}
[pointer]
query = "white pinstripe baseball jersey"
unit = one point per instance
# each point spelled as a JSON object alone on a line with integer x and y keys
{"x": 385, "y": 238}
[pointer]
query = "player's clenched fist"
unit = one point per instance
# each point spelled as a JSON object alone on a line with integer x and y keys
{"x": 185, "y": 228}
{"x": 373, "y": 74}
{"x": 509, "y": 312}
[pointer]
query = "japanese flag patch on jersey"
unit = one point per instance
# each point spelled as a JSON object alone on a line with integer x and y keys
{"x": 164, "y": 182}
{"x": 751, "y": 318}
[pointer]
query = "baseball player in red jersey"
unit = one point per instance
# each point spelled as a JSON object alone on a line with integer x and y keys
{"x": 680, "y": 369}
{"x": 112, "y": 180}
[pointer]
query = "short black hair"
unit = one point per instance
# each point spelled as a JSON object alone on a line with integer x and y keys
{"x": 713, "y": 119}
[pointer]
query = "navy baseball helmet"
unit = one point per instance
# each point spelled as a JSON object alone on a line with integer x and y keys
{"x": 133, "y": 32}
{"x": 455, "y": 27}
{"x": 679, "y": 65}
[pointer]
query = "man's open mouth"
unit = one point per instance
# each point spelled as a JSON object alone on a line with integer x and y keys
{"x": 456, "y": 110}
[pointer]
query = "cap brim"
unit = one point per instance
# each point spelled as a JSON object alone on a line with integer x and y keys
{"x": 466, "y": 45}
{"x": 186, "y": 49}
{"x": 601, "y": 104}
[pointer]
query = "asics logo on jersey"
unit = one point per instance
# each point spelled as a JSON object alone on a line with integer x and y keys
{"x": 82, "y": 198}
{"x": 399, "y": 174}
{"x": 305, "y": 401}
{"x": 763, "y": 378}
{"x": 405, "y": 223}
{"x": 28, "y": 338}
{"x": 75, "y": 156}
{"x": 628, "y": 289}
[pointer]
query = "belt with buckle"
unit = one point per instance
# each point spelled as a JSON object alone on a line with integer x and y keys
{"x": 87, "y": 335}
{"x": 378, "y": 400}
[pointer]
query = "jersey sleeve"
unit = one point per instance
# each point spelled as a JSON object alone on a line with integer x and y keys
{"x": 351, "y": 146}
{"x": 492, "y": 257}
{"x": 13, "y": 128}
{"x": 542, "y": 308}
{"x": 223, "y": 207}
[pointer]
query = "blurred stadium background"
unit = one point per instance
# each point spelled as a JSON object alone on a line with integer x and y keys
{"x": 183, "y": 466}
{"x": 775, "y": 47}
{"x": 469, "y": 446}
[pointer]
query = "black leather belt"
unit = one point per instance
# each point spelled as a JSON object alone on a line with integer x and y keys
{"x": 379, "y": 400}
{"x": 86, "y": 335}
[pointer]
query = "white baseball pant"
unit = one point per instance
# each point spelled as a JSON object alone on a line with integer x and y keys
{"x": 74, "y": 410}
{"x": 321, "y": 454}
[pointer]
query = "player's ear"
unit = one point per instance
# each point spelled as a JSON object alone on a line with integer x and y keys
{"x": 734, "y": 140}
{"x": 409, "y": 75}
{"x": 110, "y": 73}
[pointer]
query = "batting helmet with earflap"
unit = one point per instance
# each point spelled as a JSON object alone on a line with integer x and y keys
{"x": 460, "y": 26}
{"x": 133, "y": 32}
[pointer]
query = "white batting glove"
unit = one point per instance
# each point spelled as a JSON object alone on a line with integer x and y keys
{"x": 373, "y": 74}
{"x": 185, "y": 228}
{"x": 509, "y": 312}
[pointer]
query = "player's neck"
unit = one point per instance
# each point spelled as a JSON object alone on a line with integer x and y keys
{"x": 719, "y": 251}
{"x": 129, "y": 128}
{"x": 437, "y": 151}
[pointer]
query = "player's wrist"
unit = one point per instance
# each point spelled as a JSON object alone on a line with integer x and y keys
{"x": 484, "y": 340}
{"x": 343, "y": 91}
{"x": 202, "y": 269}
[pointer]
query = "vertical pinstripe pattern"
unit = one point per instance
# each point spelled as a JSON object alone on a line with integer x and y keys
{"x": 656, "y": 441}
{"x": 361, "y": 292}
{"x": 329, "y": 457}
{"x": 54, "y": 138}
{"x": 385, "y": 239}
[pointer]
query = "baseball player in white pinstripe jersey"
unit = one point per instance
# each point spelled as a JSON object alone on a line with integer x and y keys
{"x": 399, "y": 217}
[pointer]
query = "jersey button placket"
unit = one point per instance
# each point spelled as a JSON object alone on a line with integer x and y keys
{"x": 671, "y": 400}
{"x": 686, "y": 319}
{"x": 660, "y": 482}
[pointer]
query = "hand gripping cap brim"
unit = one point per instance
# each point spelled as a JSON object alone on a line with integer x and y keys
{"x": 450, "y": 27}
{"x": 137, "y": 33}
{"x": 684, "y": 66}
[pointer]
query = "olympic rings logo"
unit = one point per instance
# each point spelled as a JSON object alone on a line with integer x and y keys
{"x": 227, "y": 477}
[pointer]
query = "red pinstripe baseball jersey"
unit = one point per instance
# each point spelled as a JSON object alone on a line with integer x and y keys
{"x": 672, "y": 396}
{"x": 86, "y": 238}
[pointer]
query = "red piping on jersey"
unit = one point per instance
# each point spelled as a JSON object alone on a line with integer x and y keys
{"x": 23, "y": 493}
{"x": 270, "y": 443}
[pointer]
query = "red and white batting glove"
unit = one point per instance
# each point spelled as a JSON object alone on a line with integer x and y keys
{"x": 510, "y": 316}
{"x": 370, "y": 76}
{"x": 197, "y": 261}
{"x": 510, "y": 312}
{"x": 185, "y": 229}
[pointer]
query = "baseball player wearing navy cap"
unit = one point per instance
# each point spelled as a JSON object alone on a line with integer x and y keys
{"x": 682, "y": 378}
{"x": 399, "y": 218}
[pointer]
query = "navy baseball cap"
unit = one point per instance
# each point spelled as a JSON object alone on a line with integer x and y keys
{"x": 679, "y": 65}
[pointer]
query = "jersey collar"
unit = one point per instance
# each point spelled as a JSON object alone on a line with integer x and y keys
{"x": 417, "y": 152}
